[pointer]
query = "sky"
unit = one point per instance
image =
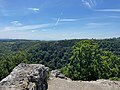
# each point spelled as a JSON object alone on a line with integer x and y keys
{"x": 59, "y": 19}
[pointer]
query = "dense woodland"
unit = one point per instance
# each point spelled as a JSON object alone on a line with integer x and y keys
{"x": 59, "y": 55}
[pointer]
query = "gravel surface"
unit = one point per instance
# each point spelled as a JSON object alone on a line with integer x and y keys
{"x": 62, "y": 84}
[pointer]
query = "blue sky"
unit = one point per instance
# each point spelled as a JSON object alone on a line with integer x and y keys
{"x": 59, "y": 19}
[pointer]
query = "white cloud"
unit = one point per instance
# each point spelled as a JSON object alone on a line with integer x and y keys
{"x": 89, "y": 3}
{"x": 68, "y": 20}
{"x": 109, "y": 10}
{"x": 34, "y": 9}
{"x": 98, "y": 24}
{"x": 57, "y": 21}
{"x": 33, "y": 31}
{"x": 65, "y": 20}
{"x": 16, "y": 23}
{"x": 25, "y": 27}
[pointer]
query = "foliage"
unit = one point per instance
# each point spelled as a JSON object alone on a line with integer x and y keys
{"x": 10, "y": 61}
{"x": 115, "y": 79}
{"x": 89, "y": 62}
{"x": 54, "y": 54}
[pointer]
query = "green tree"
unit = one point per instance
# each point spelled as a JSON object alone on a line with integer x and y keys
{"x": 111, "y": 65}
{"x": 89, "y": 62}
{"x": 10, "y": 61}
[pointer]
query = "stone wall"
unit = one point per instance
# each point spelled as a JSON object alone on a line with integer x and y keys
{"x": 26, "y": 77}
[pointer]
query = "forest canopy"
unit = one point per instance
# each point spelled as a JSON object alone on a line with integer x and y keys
{"x": 58, "y": 54}
{"x": 89, "y": 62}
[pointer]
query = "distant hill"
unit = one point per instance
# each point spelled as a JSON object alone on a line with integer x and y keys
{"x": 52, "y": 52}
